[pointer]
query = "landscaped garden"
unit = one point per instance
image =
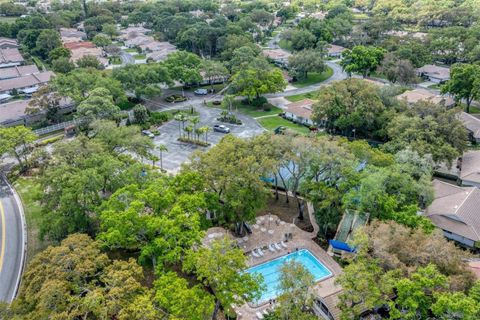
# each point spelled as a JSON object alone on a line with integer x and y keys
{"x": 313, "y": 78}
{"x": 273, "y": 122}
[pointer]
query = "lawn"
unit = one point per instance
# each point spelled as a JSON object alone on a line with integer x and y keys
{"x": 29, "y": 191}
{"x": 131, "y": 50}
{"x": 271, "y": 123}
{"x": 256, "y": 112}
{"x": 140, "y": 57}
{"x": 298, "y": 97}
{"x": 7, "y": 19}
{"x": 314, "y": 77}
{"x": 285, "y": 45}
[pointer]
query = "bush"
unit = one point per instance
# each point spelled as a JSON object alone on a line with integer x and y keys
{"x": 197, "y": 142}
{"x": 257, "y": 102}
{"x": 49, "y": 141}
{"x": 175, "y": 98}
{"x": 216, "y": 102}
{"x": 126, "y": 105}
{"x": 156, "y": 132}
{"x": 158, "y": 118}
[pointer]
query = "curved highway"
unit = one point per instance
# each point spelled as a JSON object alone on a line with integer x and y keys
{"x": 12, "y": 241}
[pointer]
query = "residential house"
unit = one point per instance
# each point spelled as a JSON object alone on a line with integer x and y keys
{"x": 72, "y": 35}
{"x": 26, "y": 84}
{"x": 139, "y": 41}
{"x": 158, "y": 46}
{"x": 132, "y": 32}
{"x": 14, "y": 113}
{"x": 335, "y": 51}
{"x": 472, "y": 124}
{"x": 10, "y": 57}
{"x": 455, "y": 210}
{"x": 470, "y": 169}
{"x": 278, "y": 56}
{"x": 416, "y": 95}
{"x": 434, "y": 73}
{"x": 300, "y": 112}
{"x": 18, "y": 71}
{"x": 7, "y": 43}
{"x": 81, "y": 49}
{"x": 320, "y": 15}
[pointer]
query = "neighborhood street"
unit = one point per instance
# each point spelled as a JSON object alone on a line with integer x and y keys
{"x": 12, "y": 242}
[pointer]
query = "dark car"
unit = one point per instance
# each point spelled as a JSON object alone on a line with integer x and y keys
{"x": 221, "y": 128}
{"x": 201, "y": 92}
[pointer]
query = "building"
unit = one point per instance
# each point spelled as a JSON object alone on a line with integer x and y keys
{"x": 416, "y": 95}
{"x": 132, "y": 32}
{"x": 26, "y": 84}
{"x": 278, "y": 56}
{"x": 18, "y": 71}
{"x": 140, "y": 40}
{"x": 470, "y": 169}
{"x": 14, "y": 113}
{"x": 472, "y": 124}
{"x": 335, "y": 51}
{"x": 300, "y": 112}
{"x": 434, "y": 73}
{"x": 455, "y": 210}
{"x": 7, "y": 43}
{"x": 79, "y": 44}
{"x": 10, "y": 57}
{"x": 72, "y": 35}
{"x": 82, "y": 49}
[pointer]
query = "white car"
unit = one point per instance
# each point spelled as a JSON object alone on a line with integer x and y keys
{"x": 221, "y": 128}
{"x": 148, "y": 133}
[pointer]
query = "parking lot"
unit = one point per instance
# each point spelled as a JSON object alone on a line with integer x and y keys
{"x": 179, "y": 152}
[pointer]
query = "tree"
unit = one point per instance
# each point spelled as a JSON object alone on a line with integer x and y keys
{"x": 89, "y": 62}
{"x": 258, "y": 79}
{"x": 110, "y": 29}
{"x": 173, "y": 295}
{"x": 396, "y": 70}
{"x": 143, "y": 80}
{"x": 464, "y": 83}
{"x": 78, "y": 83}
{"x": 213, "y": 71}
{"x": 351, "y": 104}
{"x": 428, "y": 129}
{"x": 16, "y": 141}
{"x": 59, "y": 52}
{"x": 101, "y": 40}
{"x": 361, "y": 59}
{"x": 242, "y": 57}
{"x": 184, "y": 67}
{"x": 47, "y": 41}
{"x": 299, "y": 39}
{"x": 294, "y": 286}
{"x": 232, "y": 170}
{"x": 45, "y": 100}
{"x": 76, "y": 280}
{"x": 140, "y": 113}
{"x": 162, "y": 148}
{"x": 98, "y": 105}
{"x": 220, "y": 268}
{"x": 62, "y": 65}
{"x": 306, "y": 61}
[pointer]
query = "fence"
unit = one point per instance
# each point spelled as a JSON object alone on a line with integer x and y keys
{"x": 55, "y": 127}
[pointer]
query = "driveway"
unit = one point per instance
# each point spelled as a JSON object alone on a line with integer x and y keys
{"x": 180, "y": 152}
{"x": 127, "y": 58}
{"x": 12, "y": 242}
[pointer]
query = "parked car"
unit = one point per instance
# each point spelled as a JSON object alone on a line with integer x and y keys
{"x": 201, "y": 92}
{"x": 148, "y": 133}
{"x": 221, "y": 128}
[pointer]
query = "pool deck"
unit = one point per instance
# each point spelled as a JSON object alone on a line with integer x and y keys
{"x": 269, "y": 229}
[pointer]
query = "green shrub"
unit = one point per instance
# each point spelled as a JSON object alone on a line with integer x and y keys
{"x": 49, "y": 141}
{"x": 158, "y": 118}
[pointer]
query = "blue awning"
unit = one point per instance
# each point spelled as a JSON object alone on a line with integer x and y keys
{"x": 339, "y": 245}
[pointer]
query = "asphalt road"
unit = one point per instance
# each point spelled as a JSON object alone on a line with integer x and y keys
{"x": 127, "y": 58}
{"x": 12, "y": 242}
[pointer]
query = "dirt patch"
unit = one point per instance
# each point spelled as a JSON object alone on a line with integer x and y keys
{"x": 287, "y": 211}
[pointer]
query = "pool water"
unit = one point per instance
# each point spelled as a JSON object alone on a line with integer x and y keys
{"x": 271, "y": 271}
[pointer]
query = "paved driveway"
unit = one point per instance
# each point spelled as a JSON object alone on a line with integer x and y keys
{"x": 179, "y": 152}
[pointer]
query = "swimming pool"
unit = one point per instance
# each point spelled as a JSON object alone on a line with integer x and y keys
{"x": 271, "y": 271}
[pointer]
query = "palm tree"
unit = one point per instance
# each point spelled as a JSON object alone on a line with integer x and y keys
{"x": 194, "y": 121}
{"x": 227, "y": 102}
{"x": 181, "y": 118}
{"x": 206, "y": 130}
{"x": 188, "y": 130}
{"x": 162, "y": 148}
{"x": 198, "y": 132}
{"x": 153, "y": 158}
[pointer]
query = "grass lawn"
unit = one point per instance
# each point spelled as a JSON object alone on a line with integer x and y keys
{"x": 435, "y": 86}
{"x": 271, "y": 123}
{"x": 115, "y": 60}
{"x": 474, "y": 109}
{"x": 256, "y": 112}
{"x": 140, "y": 57}
{"x": 131, "y": 50}
{"x": 29, "y": 190}
{"x": 298, "y": 97}
{"x": 314, "y": 77}
{"x": 284, "y": 45}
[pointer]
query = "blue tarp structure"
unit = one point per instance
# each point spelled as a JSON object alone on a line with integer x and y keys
{"x": 339, "y": 245}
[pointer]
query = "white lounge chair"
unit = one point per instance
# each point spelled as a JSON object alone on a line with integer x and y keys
{"x": 284, "y": 244}
{"x": 265, "y": 312}
{"x": 260, "y": 252}
{"x": 259, "y": 315}
{"x": 254, "y": 254}
{"x": 271, "y": 248}
{"x": 277, "y": 246}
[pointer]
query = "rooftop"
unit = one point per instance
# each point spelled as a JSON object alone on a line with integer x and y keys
{"x": 79, "y": 44}
{"x": 9, "y": 55}
{"x": 434, "y": 71}
{"x": 302, "y": 108}
{"x": 72, "y": 33}
{"x": 472, "y": 123}
{"x": 276, "y": 54}
{"x": 8, "y": 43}
{"x": 416, "y": 95}
{"x": 333, "y": 48}
{"x": 25, "y": 81}
{"x": 18, "y": 71}
{"x": 455, "y": 209}
{"x": 13, "y": 110}
{"x": 470, "y": 169}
